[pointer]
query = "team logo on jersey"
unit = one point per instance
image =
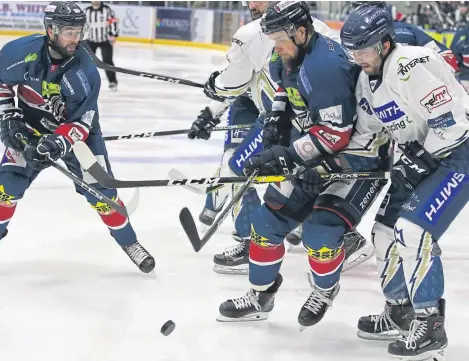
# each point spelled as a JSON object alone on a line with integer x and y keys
{"x": 389, "y": 112}
{"x": 295, "y": 97}
{"x": 365, "y": 106}
{"x": 436, "y": 98}
{"x": 404, "y": 65}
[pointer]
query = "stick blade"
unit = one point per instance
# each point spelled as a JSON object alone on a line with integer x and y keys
{"x": 188, "y": 224}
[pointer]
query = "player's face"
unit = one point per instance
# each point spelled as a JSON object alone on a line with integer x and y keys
{"x": 69, "y": 37}
{"x": 371, "y": 59}
{"x": 258, "y": 8}
{"x": 285, "y": 48}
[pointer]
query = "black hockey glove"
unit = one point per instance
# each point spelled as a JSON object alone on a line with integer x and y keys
{"x": 203, "y": 125}
{"x": 11, "y": 124}
{"x": 275, "y": 160}
{"x": 277, "y": 128}
{"x": 209, "y": 88}
{"x": 414, "y": 166}
{"x": 309, "y": 180}
{"x": 53, "y": 146}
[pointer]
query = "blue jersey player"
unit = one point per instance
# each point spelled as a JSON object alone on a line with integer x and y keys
{"x": 331, "y": 112}
{"x": 57, "y": 94}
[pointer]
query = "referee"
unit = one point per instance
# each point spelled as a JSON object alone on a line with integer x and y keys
{"x": 102, "y": 34}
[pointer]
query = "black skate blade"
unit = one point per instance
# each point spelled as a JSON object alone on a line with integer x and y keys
{"x": 188, "y": 224}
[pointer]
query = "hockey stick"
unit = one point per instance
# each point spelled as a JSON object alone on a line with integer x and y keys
{"x": 89, "y": 162}
{"x": 187, "y": 221}
{"x": 102, "y": 65}
{"x": 101, "y": 197}
{"x": 170, "y": 132}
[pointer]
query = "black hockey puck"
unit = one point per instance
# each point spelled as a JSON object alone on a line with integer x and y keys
{"x": 168, "y": 327}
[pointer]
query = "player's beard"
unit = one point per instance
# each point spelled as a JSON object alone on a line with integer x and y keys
{"x": 294, "y": 61}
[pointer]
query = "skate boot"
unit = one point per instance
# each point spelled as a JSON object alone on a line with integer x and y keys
{"x": 353, "y": 241}
{"x": 207, "y": 216}
{"x": 426, "y": 339}
{"x": 295, "y": 236}
{"x": 316, "y": 306}
{"x": 234, "y": 260}
{"x": 139, "y": 255}
{"x": 254, "y": 306}
{"x": 393, "y": 322}
{"x": 238, "y": 238}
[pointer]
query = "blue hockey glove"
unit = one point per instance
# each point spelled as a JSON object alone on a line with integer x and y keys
{"x": 53, "y": 146}
{"x": 209, "y": 88}
{"x": 275, "y": 160}
{"x": 277, "y": 127}
{"x": 11, "y": 124}
{"x": 309, "y": 180}
{"x": 203, "y": 125}
{"x": 414, "y": 165}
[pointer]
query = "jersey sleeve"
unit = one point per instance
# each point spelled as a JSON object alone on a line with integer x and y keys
{"x": 80, "y": 90}
{"x": 9, "y": 72}
{"x": 427, "y": 84}
{"x": 236, "y": 78}
{"x": 113, "y": 23}
{"x": 331, "y": 108}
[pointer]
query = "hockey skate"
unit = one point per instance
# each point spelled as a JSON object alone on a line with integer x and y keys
{"x": 295, "y": 237}
{"x": 234, "y": 260}
{"x": 316, "y": 306}
{"x": 207, "y": 216}
{"x": 393, "y": 322}
{"x": 426, "y": 339}
{"x": 356, "y": 250}
{"x": 139, "y": 255}
{"x": 254, "y": 306}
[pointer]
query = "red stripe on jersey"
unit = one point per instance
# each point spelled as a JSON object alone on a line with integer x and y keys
{"x": 6, "y": 92}
{"x": 73, "y": 132}
{"x": 30, "y": 95}
{"x": 268, "y": 255}
{"x": 323, "y": 268}
{"x": 332, "y": 139}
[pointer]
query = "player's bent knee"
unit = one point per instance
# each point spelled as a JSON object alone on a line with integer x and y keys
{"x": 409, "y": 234}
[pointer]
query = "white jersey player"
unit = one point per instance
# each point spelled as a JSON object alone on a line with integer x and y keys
{"x": 411, "y": 92}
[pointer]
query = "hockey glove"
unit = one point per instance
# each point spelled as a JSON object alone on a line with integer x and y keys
{"x": 203, "y": 125}
{"x": 52, "y": 146}
{"x": 209, "y": 88}
{"x": 277, "y": 128}
{"x": 11, "y": 124}
{"x": 275, "y": 160}
{"x": 414, "y": 166}
{"x": 309, "y": 180}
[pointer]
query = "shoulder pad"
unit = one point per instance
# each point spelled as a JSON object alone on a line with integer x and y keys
{"x": 247, "y": 32}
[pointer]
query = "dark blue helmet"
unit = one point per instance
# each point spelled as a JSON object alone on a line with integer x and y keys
{"x": 286, "y": 16}
{"x": 63, "y": 13}
{"x": 367, "y": 26}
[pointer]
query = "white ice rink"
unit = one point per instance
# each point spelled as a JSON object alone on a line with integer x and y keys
{"x": 69, "y": 293}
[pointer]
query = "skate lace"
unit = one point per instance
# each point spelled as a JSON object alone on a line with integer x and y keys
{"x": 383, "y": 320}
{"x": 136, "y": 253}
{"x": 249, "y": 299}
{"x": 234, "y": 251}
{"x": 316, "y": 300}
{"x": 417, "y": 330}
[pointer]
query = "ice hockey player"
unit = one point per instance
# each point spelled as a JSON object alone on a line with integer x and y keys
{"x": 460, "y": 48}
{"x": 248, "y": 69}
{"x": 412, "y": 92}
{"x": 408, "y": 34}
{"x": 332, "y": 112}
{"x": 58, "y": 87}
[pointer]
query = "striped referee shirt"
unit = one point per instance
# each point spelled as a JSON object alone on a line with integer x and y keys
{"x": 102, "y": 23}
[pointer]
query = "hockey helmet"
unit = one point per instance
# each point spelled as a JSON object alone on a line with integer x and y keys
{"x": 286, "y": 16}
